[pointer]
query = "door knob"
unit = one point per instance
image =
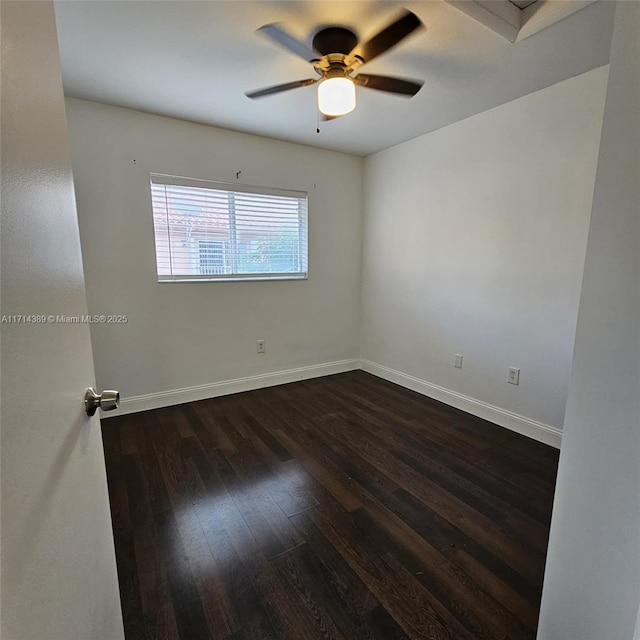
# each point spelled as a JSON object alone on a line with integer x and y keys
{"x": 107, "y": 400}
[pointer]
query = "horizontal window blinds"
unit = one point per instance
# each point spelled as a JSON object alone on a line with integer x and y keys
{"x": 216, "y": 231}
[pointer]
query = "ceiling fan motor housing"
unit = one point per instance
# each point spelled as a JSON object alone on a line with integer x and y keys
{"x": 334, "y": 40}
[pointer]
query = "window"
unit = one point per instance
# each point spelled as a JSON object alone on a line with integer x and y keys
{"x": 216, "y": 231}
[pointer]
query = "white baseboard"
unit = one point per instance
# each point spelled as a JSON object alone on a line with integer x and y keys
{"x": 204, "y": 391}
{"x": 525, "y": 426}
{"x": 520, "y": 424}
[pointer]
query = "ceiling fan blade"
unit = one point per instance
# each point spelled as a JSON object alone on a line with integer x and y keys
{"x": 267, "y": 91}
{"x": 277, "y": 33}
{"x": 388, "y": 83}
{"x": 390, "y": 36}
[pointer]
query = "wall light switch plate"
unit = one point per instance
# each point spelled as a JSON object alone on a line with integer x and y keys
{"x": 261, "y": 346}
{"x": 514, "y": 375}
{"x": 458, "y": 361}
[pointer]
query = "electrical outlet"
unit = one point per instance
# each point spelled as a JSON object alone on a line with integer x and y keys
{"x": 514, "y": 375}
{"x": 457, "y": 363}
{"x": 261, "y": 346}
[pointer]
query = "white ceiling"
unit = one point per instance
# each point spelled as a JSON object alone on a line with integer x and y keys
{"x": 195, "y": 60}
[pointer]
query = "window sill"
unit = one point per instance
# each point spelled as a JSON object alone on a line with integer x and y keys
{"x": 237, "y": 278}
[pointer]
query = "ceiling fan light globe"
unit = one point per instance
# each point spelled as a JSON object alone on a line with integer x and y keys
{"x": 336, "y": 96}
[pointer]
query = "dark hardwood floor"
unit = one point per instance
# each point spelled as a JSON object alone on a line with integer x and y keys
{"x": 342, "y": 508}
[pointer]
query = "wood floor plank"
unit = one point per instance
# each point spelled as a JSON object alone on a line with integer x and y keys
{"x": 377, "y": 424}
{"x": 311, "y": 597}
{"x": 210, "y": 419}
{"x": 128, "y": 430}
{"x": 154, "y": 484}
{"x": 130, "y": 600}
{"x": 373, "y": 410}
{"x": 481, "y": 431}
{"x": 275, "y": 594}
{"x": 457, "y": 592}
{"x": 474, "y": 431}
{"x": 413, "y": 608}
{"x": 341, "y": 508}
{"x": 448, "y": 540}
{"x": 443, "y": 502}
{"x": 187, "y": 605}
{"x": 324, "y": 471}
{"x": 157, "y": 607}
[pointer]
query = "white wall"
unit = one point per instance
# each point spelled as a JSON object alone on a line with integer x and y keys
{"x": 59, "y": 577}
{"x": 188, "y": 334}
{"x": 474, "y": 242}
{"x": 592, "y": 581}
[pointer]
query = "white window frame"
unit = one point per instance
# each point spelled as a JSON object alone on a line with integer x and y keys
{"x": 300, "y": 196}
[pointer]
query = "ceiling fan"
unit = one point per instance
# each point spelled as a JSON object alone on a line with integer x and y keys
{"x": 335, "y": 55}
